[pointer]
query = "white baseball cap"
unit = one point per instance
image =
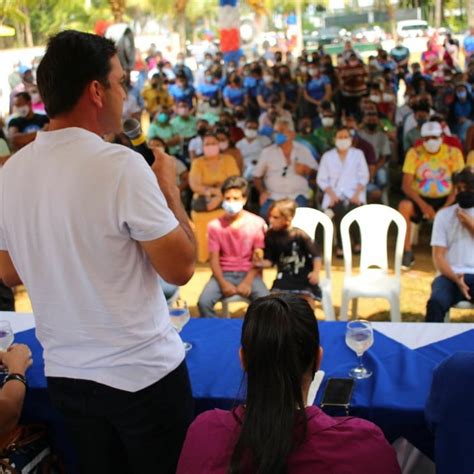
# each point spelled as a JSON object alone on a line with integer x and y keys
{"x": 431, "y": 129}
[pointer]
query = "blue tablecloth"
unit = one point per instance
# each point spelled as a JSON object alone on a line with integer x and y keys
{"x": 393, "y": 398}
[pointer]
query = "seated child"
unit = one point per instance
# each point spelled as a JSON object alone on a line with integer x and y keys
{"x": 297, "y": 257}
{"x": 233, "y": 238}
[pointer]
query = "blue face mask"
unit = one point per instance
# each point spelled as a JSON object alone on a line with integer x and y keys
{"x": 462, "y": 95}
{"x": 162, "y": 117}
{"x": 280, "y": 138}
{"x": 209, "y": 78}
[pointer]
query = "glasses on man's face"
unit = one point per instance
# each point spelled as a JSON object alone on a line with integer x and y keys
{"x": 285, "y": 170}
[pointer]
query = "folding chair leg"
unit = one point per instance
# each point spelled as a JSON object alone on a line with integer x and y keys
{"x": 395, "y": 315}
{"x": 343, "y": 313}
{"x": 225, "y": 309}
{"x": 328, "y": 308}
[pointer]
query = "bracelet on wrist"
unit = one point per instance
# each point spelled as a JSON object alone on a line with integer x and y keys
{"x": 17, "y": 377}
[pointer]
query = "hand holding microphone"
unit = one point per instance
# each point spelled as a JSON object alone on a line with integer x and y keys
{"x": 133, "y": 130}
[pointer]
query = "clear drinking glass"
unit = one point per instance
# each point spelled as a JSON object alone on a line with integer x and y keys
{"x": 179, "y": 316}
{"x": 359, "y": 337}
{"x": 6, "y": 339}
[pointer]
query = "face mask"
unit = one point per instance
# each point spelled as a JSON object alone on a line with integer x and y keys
{"x": 387, "y": 97}
{"x": 163, "y": 118}
{"x": 433, "y": 145}
{"x": 343, "y": 144}
{"x": 461, "y": 95}
{"x": 307, "y": 130}
{"x": 267, "y": 79}
{"x": 327, "y": 122}
{"x": 35, "y": 98}
{"x": 420, "y": 122}
{"x": 230, "y": 70}
{"x": 375, "y": 98}
{"x": 371, "y": 126}
{"x": 304, "y": 69}
{"x": 314, "y": 72}
{"x": 180, "y": 62}
{"x": 208, "y": 78}
{"x": 232, "y": 207}
{"x": 23, "y": 111}
{"x": 223, "y": 146}
{"x": 353, "y": 133}
{"x": 202, "y": 131}
{"x": 208, "y": 63}
{"x": 280, "y": 138}
{"x": 211, "y": 150}
{"x": 250, "y": 133}
{"x": 182, "y": 112}
{"x": 465, "y": 199}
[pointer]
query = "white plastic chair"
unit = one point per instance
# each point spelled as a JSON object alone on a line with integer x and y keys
{"x": 308, "y": 219}
{"x": 374, "y": 221}
{"x": 231, "y": 299}
{"x": 461, "y": 305}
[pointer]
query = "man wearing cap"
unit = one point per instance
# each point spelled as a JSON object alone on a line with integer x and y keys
{"x": 427, "y": 181}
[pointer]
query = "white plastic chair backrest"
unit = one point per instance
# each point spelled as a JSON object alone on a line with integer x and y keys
{"x": 374, "y": 221}
{"x": 307, "y": 219}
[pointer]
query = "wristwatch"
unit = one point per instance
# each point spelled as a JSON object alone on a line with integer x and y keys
{"x": 18, "y": 377}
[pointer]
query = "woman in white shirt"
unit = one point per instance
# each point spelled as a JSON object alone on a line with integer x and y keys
{"x": 343, "y": 176}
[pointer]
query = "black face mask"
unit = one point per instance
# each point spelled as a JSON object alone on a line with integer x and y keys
{"x": 371, "y": 126}
{"x": 465, "y": 199}
{"x": 202, "y": 131}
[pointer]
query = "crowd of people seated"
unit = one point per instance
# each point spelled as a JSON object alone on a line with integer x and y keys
{"x": 333, "y": 133}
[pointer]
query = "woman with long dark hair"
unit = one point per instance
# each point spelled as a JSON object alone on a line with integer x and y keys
{"x": 274, "y": 432}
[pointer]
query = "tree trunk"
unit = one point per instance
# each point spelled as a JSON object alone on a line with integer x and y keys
{"x": 28, "y": 33}
{"x": 182, "y": 30}
{"x": 299, "y": 26}
{"x": 470, "y": 13}
{"x": 438, "y": 13}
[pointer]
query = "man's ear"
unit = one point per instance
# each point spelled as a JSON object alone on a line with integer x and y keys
{"x": 95, "y": 91}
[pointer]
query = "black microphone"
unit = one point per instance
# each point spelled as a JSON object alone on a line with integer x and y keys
{"x": 133, "y": 130}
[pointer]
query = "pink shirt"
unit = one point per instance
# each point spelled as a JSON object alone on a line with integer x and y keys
{"x": 334, "y": 445}
{"x": 235, "y": 245}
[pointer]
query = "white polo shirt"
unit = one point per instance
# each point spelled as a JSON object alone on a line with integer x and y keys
{"x": 448, "y": 232}
{"x": 72, "y": 208}
{"x": 281, "y": 180}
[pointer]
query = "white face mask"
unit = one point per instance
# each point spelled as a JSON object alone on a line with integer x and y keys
{"x": 250, "y": 133}
{"x": 303, "y": 69}
{"x": 223, "y": 146}
{"x": 388, "y": 97}
{"x": 375, "y": 98}
{"x": 343, "y": 144}
{"x": 267, "y": 79}
{"x": 327, "y": 121}
{"x": 211, "y": 150}
{"x": 433, "y": 145}
{"x": 232, "y": 207}
{"x": 23, "y": 111}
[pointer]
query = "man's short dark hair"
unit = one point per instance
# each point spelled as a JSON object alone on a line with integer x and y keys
{"x": 73, "y": 59}
{"x": 23, "y": 95}
{"x": 466, "y": 177}
{"x": 236, "y": 182}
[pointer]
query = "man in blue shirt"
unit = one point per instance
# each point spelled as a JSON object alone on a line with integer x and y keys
{"x": 450, "y": 415}
{"x": 468, "y": 46}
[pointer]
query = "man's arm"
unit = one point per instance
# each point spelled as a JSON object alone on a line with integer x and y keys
{"x": 407, "y": 181}
{"x": 442, "y": 265}
{"x": 18, "y": 139}
{"x": 8, "y": 273}
{"x": 173, "y": 256}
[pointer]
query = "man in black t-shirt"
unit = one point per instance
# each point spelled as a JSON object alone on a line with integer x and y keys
{"x": 22, "y": 129}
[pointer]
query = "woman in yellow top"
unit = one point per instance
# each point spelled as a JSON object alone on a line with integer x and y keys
{"x": 208, "y": 173}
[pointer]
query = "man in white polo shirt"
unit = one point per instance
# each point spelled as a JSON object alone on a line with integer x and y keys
{"x": 283, "y": 169}
{"x": 453, "y": 250}
{"x": 85, "y": 225}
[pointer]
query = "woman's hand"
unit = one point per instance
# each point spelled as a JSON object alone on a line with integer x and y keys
{"x": 16, "y": 359}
